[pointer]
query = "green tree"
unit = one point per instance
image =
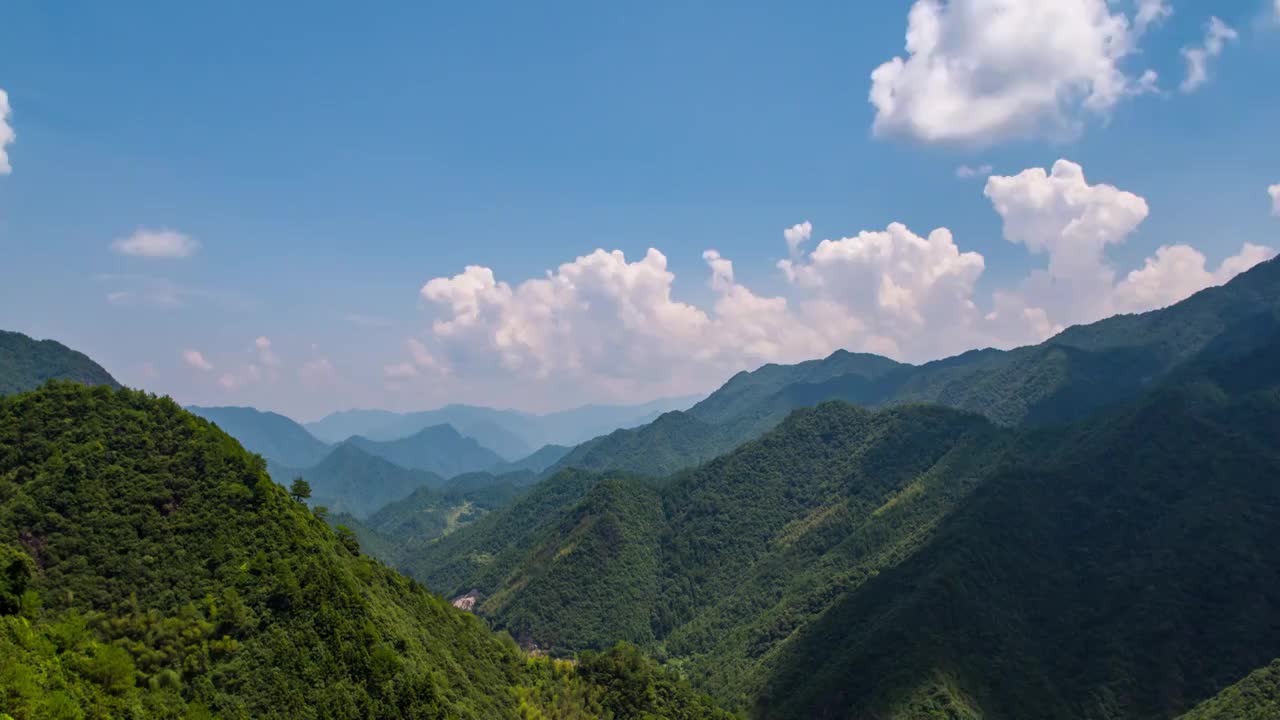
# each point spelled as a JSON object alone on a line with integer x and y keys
{"x": 300, "y": 489}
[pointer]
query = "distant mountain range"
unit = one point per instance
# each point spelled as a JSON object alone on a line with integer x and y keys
{"x": 26, "y": 364}
{"x": 511, "y": 434}
{"x": 351, "y": 480}
{"x": 269, "y": 434}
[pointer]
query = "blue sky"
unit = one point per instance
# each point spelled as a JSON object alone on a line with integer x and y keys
{"x": 329, "y": 163}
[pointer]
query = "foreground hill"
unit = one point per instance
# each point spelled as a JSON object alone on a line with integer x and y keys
{"x": 269, "y": 434}
{"x": 152, "y": 569}
{"x": 924, "y": 562}
{"x": 1064, "y": 379}
{"x": 26, "y": 364}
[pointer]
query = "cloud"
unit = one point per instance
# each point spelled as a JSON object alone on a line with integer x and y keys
{"x": 266, "y": 355}
{"x": 603, "y": 325}
{"x": 1274, "y": 192}
{"x": 1178, "y": 271}
{"x": 195, "y": 359}
{"x": 7, "y": 136}
{"x": 979, "y": 72}
{"x": 1061, "y": 215}
{"x": 1151, "y": 12}
{"x": 157, "y": 244}
{"x": 1217, "y": 35}
{"x": 797, "y": 235}
{"x": 965, "y": 172}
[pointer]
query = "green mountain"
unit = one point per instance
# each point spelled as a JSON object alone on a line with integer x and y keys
{"x": 925, "y": 562}
{"x": 432, "y": 511}
{"x": 350, "y": 480}
{"x": 1068, "y": 377}
{"x": 1256, "y": 697}
{"x": 269, "y": 434}
{"x": 439, "y": 449}
{"x": 26, "y": 364}
{"x": 151, "y": 569}
{"x": 537, "y": 461}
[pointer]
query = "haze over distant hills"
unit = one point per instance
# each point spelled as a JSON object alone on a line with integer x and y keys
{"x": 511, "y": 434}
{"x": 269, "y": 434}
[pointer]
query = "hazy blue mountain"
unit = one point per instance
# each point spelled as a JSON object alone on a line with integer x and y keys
{"x": 26, "y": 364}
{"x": 537, "y": 461}
{"x": 269, "y": 434}
{"x": 511, "y": 434}
{"x": 338, "y": 426}
{"x": 439, "y": 449}
{"x": 353, "y": 481}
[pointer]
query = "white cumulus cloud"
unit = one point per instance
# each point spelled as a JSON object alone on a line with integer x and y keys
{"x": 1061, "y": 215}
{"x": 157, "y": 244}
{"x": 7, "y": 136}
{"x": 1216, "y": 36}
{"x": 1178, "y": 271}
{"x": 602, "y": 325}
{"x": 981, "y": 71}
{"x": 195, "y": 359}
{"x": 1274, "y": 192}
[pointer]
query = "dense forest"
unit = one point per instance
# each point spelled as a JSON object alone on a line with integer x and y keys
{"x": 150, "y": 568}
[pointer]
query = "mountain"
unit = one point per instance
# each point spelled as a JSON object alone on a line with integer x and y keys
{"x": 511, "y": 434}
{"x": 919, "y": 561}
{"x": 1064, "y": 379}
{"x": 152, "y": 569}
{"x": 439, "y": 449}
{"x": 431, "y": 511}
{"x": 269, "y": 434}
{"x": 26, "y": 364}
{"x": 537, "y": 461}
{"x": 350, "y": 480}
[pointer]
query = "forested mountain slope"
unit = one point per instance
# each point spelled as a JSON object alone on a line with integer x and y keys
{"x": 152, "y": 569}
{"x": 26, "y": 364}
{"x": 921, "y": 562}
